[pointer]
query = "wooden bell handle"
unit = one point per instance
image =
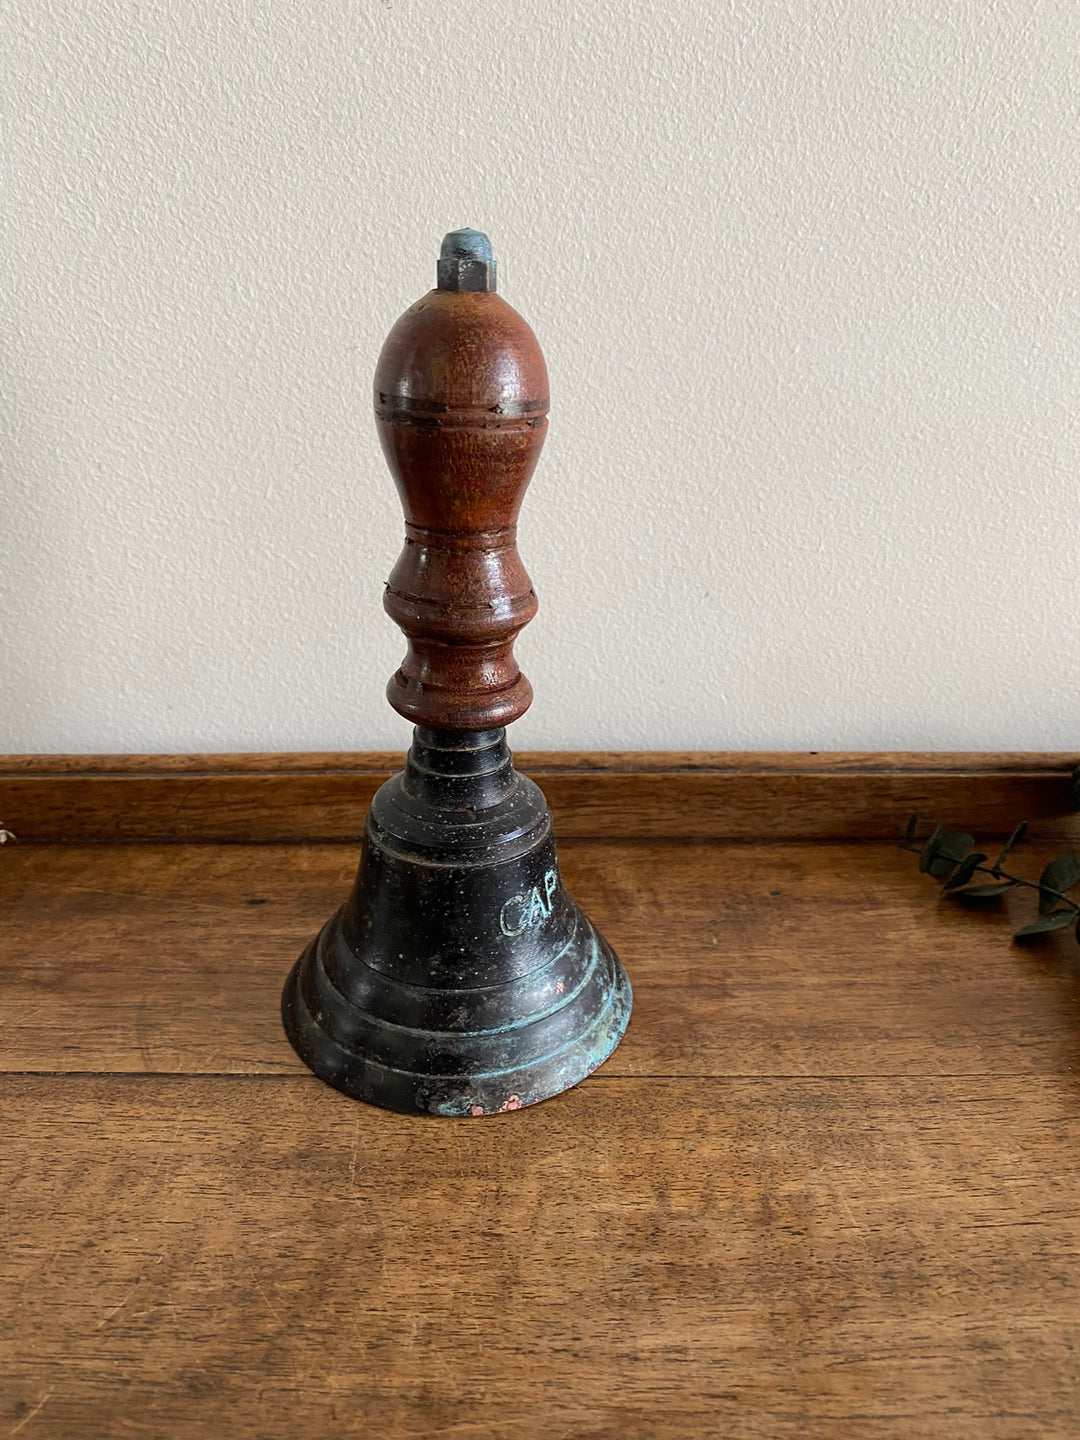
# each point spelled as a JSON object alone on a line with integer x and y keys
{"x": 461, "y": 402}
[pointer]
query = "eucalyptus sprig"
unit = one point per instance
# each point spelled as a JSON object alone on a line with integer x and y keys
{"x": 950, "y": 855}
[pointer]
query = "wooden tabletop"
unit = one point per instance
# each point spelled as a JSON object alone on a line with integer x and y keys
{"x": 829, "y": 1186}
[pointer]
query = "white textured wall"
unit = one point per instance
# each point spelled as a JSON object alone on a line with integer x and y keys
{"x": 807, "y": 276}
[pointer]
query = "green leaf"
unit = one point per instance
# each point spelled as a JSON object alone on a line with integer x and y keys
{"x": 929, "y": 850}
{"x": 964, "y": 871}
{"x": 1014, "y": 839}
{"x": 1057, "y": 921}
{"x": 986, "y": 892}
{"x": 912, "y": 827}
{"x": 949, "y": 851}
{"x": 1060, "y": 875}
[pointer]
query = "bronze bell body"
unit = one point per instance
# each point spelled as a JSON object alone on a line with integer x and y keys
{"x": 459, "y": 978}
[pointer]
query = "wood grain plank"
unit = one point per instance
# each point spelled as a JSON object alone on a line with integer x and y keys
{"x": 681, "y": 795}
{"x": 763, "y": 1258}
{"x": 667, "y": 762}
{"x": 745, "y": 959}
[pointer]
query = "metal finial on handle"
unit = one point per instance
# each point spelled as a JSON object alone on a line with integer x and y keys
{"x": 466, "y": 261}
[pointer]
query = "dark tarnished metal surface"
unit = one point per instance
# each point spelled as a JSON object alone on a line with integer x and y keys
{"x": 466, "y": 261}
{"x": 459, "y": 978}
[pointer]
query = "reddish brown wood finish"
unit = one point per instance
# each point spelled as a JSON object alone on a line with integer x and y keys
{"x": 824, "y": 1190}
{"x": 673, "y": 794}
{"x": 461, "y": 399}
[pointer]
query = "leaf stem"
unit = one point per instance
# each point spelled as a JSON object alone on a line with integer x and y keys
{"x": 1000, "y": 874}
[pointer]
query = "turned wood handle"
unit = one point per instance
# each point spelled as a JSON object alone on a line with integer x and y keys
{"x": 461, "y": 401}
